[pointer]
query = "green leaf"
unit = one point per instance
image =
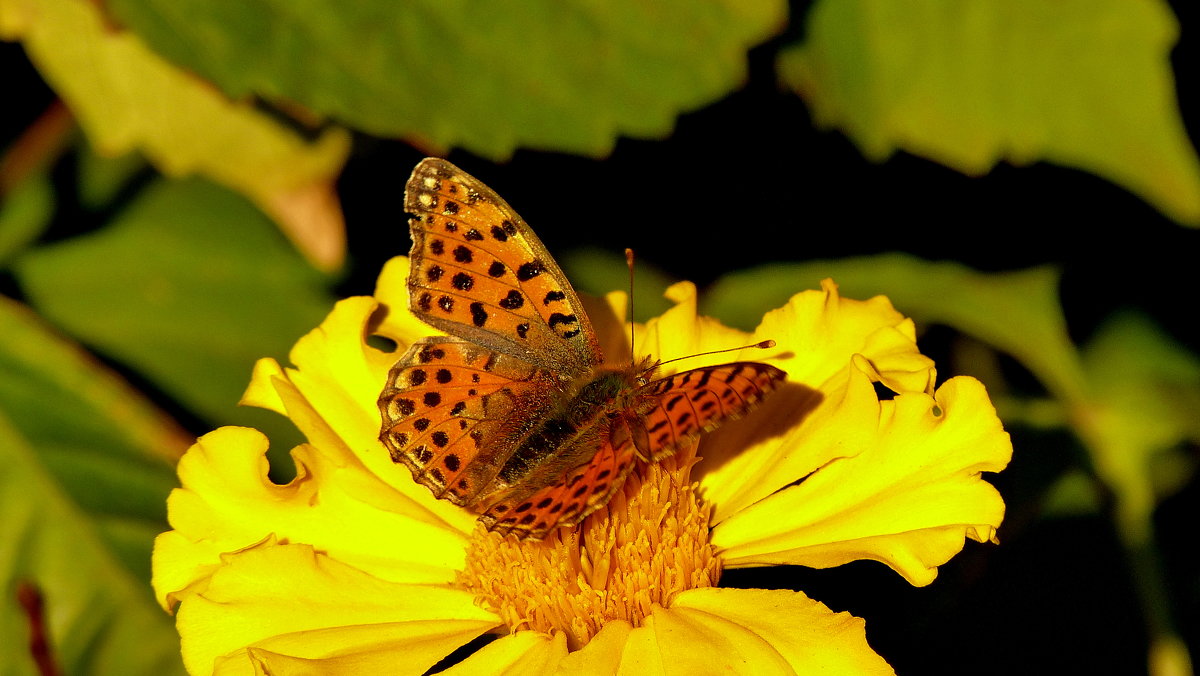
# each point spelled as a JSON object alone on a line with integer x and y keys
{"x": 1081, "y": 83}
{"x": 26, "y": 212}
{"x": 1017, "y": 312}
{"x": 486, "y": 76}
{"x": 190, "y": 285}
{"x": 1145, "y": 392}
{"x": 87, "y": 465}
{"x": 1076, "y": 493}
{"x": 102, "y": 178}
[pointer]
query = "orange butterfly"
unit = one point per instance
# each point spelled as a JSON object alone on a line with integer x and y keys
{"x": 515, "y": 415}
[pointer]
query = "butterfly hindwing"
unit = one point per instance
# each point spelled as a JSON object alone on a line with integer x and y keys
{"x": 445, "y": 408}
{"x": 682, "y": 406}
{"x": 480, "y": 273}
{"x": 566, "y": 502}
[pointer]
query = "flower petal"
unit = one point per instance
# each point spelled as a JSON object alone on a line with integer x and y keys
{"x": 707, "y": 629}
{"x": 906, "y": 494}
{"x": 330, "y": 395}
{"x": 816, "y": 334}
{"x": 340, "y": 376}
{"x": 391, "y": 290}
{"x": 794, "y": 432}
{"x": 251, "y": 609}
{"x": 713, "y": 630}
{"x": 602, "y": 654}
{"x": 525, "y": 652}
{"x": 681, "y": 332}
{"x": 261, "y": 392}
{"x": 227, "y": 503}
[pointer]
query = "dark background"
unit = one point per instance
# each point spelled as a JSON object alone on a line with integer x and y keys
{"x": 748, "y": 180}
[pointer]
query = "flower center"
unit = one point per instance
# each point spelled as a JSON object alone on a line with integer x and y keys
{"x": 649, "y": 543}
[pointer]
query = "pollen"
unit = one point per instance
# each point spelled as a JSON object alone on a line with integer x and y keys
{"x": 649, "y": 543}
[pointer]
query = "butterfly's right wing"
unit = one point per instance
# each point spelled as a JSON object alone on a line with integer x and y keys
{"x": 449, "y": 413}
{"x": 480, "y": 273}
{"x": 566, "y": 502}
{"x": 679, "y": 407}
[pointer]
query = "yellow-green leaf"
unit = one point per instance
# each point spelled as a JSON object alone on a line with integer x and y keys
{"x": 24, "y": 215}
{"x": 1081, "y": 83}
{"x": 486, "y": 76}
{"x": 127, "y": 98}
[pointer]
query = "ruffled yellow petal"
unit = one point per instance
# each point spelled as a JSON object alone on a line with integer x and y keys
{"x": 681, "y": 332}
{"x": 601, "y": 655}
{"x": 261, "y": 392}
{"x": 818, "y": 331}
{"x": 391, "y": 290}
{"x": 525, "y": 653}
{"x": 719, "y": 631}
{"x": 227, "y": 503}
{"x": 761, "y": 631}
{"x": 340, "y": 377}
{"x": 331, "y": 392}
{"x": 817, "y": 334}
{"x": 905, "y": 489}
{"x": 293, "y": 604}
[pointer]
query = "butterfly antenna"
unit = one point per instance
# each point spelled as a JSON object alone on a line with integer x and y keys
{"x": 629, "y": 263}
{"x": 763, "y": 345}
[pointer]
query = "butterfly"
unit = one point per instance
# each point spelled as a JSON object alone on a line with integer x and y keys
{"x": 514, "y": 414}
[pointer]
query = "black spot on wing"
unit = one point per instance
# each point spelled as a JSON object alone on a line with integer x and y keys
{"x": 513, "y": 301}
{"x": 529, "y": 270}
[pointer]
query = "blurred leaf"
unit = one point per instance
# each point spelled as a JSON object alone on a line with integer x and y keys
{"x": 101, "y": 178}
{"x": 1145, "y": 394}
{"x": 25, "y": 213}
{"x": 1017, "y": 312}
{"x": 128, "y": 98}
{"x": 488, "y": 77}
{"x": 1076, "y": 493}
{"x": 1082, "y": 83}
{"x": 190, "y": 285}
{"x": 86, "y": 471}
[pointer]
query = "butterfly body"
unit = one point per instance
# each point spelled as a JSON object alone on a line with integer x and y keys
{"x": 515, "y": 414}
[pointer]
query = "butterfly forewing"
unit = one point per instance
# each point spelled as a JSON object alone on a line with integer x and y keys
{"x": 678, "y": 408}
{"x": 479, "y": 272}
{"x": 446, "y": 407}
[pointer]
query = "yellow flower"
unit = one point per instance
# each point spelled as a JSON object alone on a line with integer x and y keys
{"x": 354, "y": 568}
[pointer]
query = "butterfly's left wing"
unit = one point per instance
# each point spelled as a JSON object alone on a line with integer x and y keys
{"x": 480, "y": 273}
{"x": 450, "y": 412}
{"x": 678, "y": 408}
{"x": 566, "y": 502}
